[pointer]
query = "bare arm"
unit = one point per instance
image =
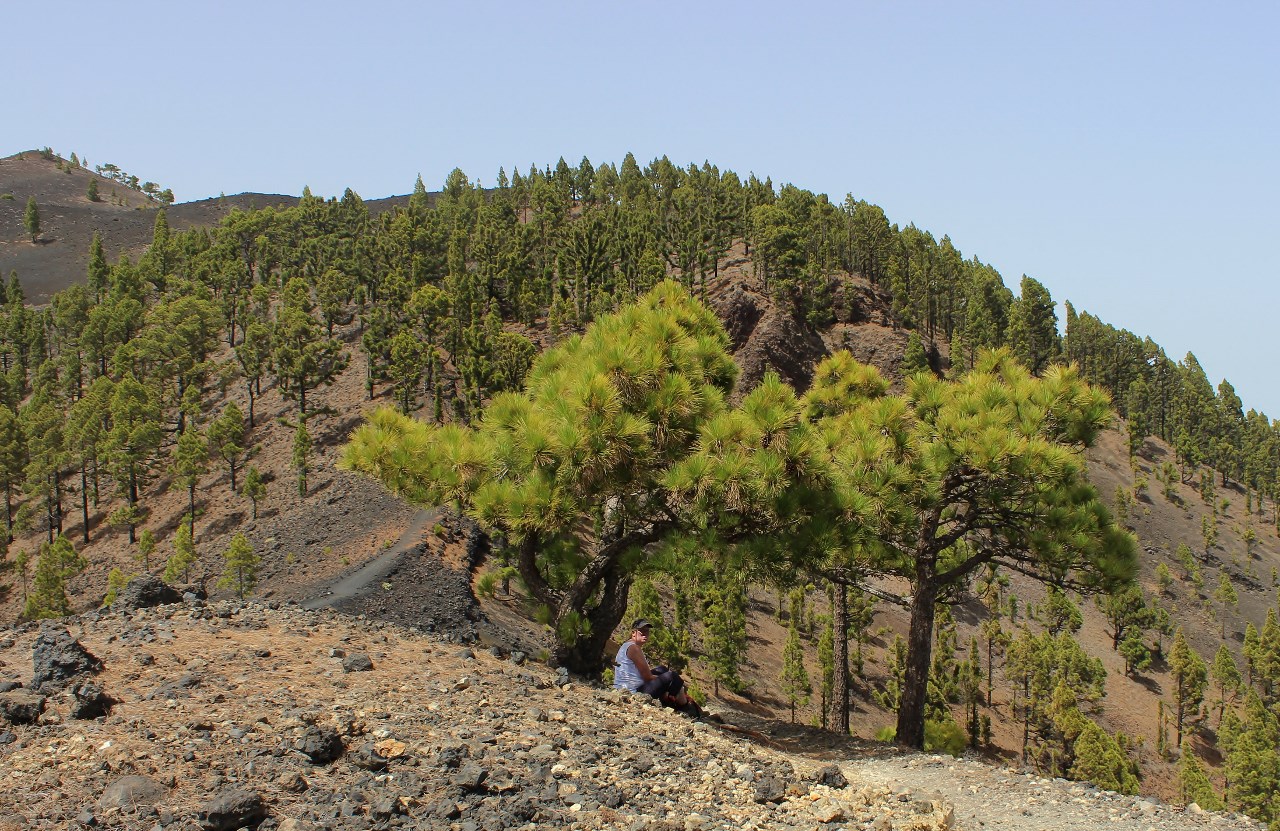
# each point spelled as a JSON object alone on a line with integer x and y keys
{"x": 636, "y": 654}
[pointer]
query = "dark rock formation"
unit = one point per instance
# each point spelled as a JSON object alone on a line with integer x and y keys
{"x": 146, "y": 591}
{"x": 233, "y": 809}
{"x": 21, "y": 706}
{"x": 59, "y": 659}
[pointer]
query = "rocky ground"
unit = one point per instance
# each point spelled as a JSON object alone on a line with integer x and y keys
{"x": 231, "y": 714}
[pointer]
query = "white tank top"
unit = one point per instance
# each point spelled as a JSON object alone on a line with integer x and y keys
{"x": 625, "y": 674}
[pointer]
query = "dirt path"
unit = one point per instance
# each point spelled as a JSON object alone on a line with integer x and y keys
{"x": 375, "y": 571}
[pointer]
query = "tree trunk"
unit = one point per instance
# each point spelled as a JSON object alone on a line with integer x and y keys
{"x": 586, "y": 657}
{"x": 919, "y": 652}
{"x": 840, "y": 676}
{"x": 84, "y": 499}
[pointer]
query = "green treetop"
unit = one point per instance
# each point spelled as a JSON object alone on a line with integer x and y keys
{"x": 992, "y": 460}
{"x": 31, "y": 219}
{"x": 574, "y": 470}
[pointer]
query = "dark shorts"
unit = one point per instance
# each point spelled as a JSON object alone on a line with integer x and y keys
{"x": 664, "y": 682}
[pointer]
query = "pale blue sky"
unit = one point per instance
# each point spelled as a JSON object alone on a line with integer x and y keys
{"x": 1124, "y": 154}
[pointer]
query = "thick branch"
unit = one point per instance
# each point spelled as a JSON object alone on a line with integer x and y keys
{"x": 530, "y": 573}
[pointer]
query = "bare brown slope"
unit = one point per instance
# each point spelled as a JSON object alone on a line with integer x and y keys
{"x": 124, "y": 217}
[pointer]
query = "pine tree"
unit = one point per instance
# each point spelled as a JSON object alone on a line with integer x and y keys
{"x": 795, "y": 678}
{"x": 725, "y": 632}
{"x": 254, "y": 356}
{"x": 31, "y": 219}
{"x": 301, "y": 355}
{"x": 241, "y": 570}
{"x": 57, "y": 563}
{"x": 1099, "y": 759}
{"x": 146, "y": 545}
{"x": 254, "y": 488}
{"x": 1190, "y": 676}
{"x": 227, "y": 436}
{"x": 932, "y": 448}
{"x": 1226, "y": 677}
{"x": 190, "y": 462}
{"x": 826, "y": 669}
{"x": 914, "y": 358}
{"x": 116, "y": 581}
{"x": 132, "y": 442}
{"x": 182, "y": 558}
{"x": 1033, "y": 327}
{"x": 13, "y": 461}
{"x": 301, "y": 455}
{"x": 1193, "y": 783}
{"x": 1253, "y": 764}
{"x": 91, "y": 193}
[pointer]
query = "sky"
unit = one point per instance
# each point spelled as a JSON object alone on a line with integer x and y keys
{"x": 1126, "y": 155}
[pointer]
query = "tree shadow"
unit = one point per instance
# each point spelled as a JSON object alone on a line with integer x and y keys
{"x": 226, "y": 524}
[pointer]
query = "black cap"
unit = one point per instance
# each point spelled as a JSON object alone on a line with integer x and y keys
{"x": 641, "y": 625}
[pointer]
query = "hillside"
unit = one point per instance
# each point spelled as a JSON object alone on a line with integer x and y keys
{"x": 232, "y": 714}
{"x": 342, "y": 522}
{"x": 124, "y": 217}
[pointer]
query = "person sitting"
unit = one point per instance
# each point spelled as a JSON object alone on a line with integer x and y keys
{"x": 632, "y": 672}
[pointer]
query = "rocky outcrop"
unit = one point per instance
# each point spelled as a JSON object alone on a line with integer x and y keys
{"x": 765, "y": 337}
{"x": 58, "y": 659}
{"x": 146, "y": 591}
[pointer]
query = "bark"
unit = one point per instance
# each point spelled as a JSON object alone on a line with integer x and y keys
{"x": 586, "y": 656}
{"x": 919, "y": 653}
{"x": 840, "y": 678}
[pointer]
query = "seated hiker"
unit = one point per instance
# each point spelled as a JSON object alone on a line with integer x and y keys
{"x": 632, "y": 672}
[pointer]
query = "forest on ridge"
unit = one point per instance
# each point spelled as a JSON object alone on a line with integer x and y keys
{"x": 132, "y": 377}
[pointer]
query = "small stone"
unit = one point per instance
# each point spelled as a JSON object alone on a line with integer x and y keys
{"x": 90, "y": 701}
{"x": 130, "y": 793}
{"x": 233, "y": 809}
{"x": 469, "y": 777}
{"x": 830, "y": 776}
{"x": 86, "y": 818}
{"x": 384, "y": 807}
{"x": 357, "y": 663}
{"x": 21, "y": 706}
{"x": 321, "y": 745}
{"x": 828, "y": 811}
{"x": 367, "y": 757}
{"x": 770, "y": 789}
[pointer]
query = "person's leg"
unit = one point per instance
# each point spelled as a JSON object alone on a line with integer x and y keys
{"x": 658, "y": 686}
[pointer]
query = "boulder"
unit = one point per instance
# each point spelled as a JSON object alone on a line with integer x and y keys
{"x": 146, "y": 591}
{"x": 357, "y": 663}
{"x": 59, "y": 659}
{"x": 21, "y": 706}
{"x": 90, "y": 701}
{"x": 232, "y": 809}
{"x": 321, "y": 745}
{"x": 129, "y": 793}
